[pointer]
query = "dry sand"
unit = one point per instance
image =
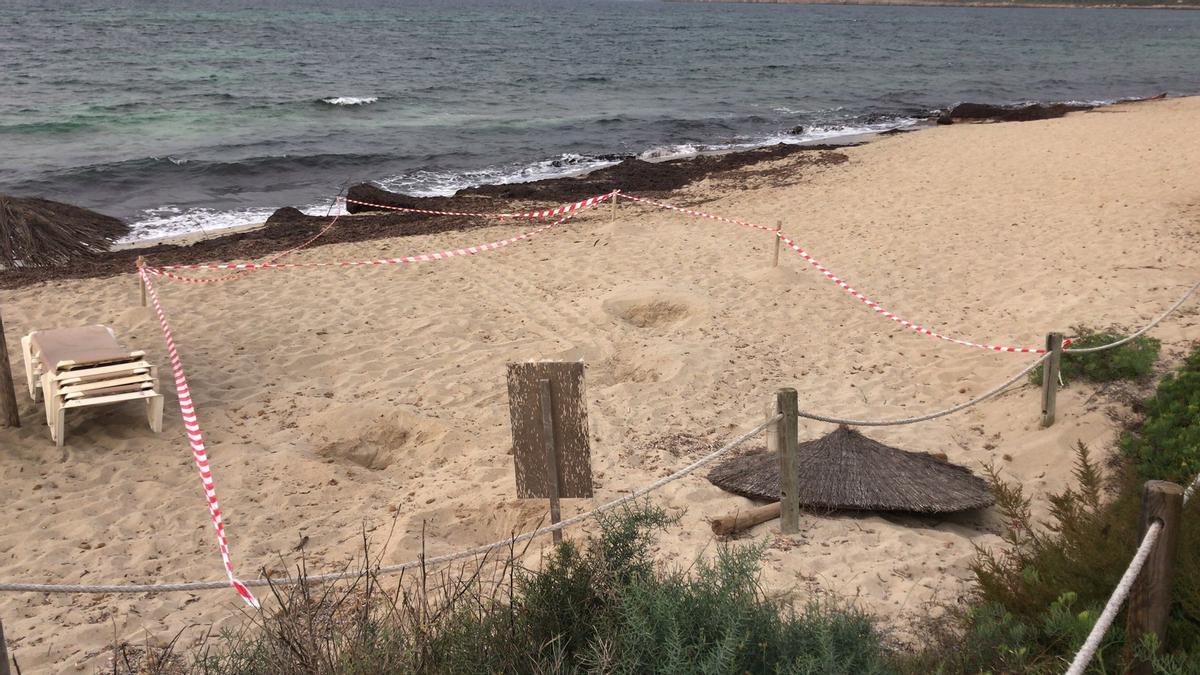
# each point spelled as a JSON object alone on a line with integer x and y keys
{"x": 335, "y": 399}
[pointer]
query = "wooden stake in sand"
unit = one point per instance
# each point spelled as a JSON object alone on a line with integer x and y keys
{"x": 786, "y": 434}
{"x": 612, "y": 218}
{"x": 778, "y": 241}
{"x": 1054, "y": 343}
{"x": 547, "y": 406}
{"x": 9, "y": 417}
{"x": 550, "y": 435}
{"x": 3, "y": 652}
{"x": 1150, "y": 598}
{"x": 141, "y": 262}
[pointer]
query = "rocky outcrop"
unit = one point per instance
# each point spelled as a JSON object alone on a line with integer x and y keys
{"x": 1028, "y": 112}
{"x": 1000, "y": 113}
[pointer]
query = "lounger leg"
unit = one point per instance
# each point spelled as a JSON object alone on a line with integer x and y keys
{"x": 44, "y": 389}
{"x": 56, "y": 417}
{"x": 58, "y": 431}
{"x": 30, "y": 376}
{"x": 154, "y": 410}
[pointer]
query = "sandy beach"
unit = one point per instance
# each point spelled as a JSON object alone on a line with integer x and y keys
{"x": 336, "y": 400}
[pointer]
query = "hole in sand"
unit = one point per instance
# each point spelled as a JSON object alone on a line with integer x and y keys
{"x": 657, "y": 313}
{"x": 651, "y": 309}
{"x": 374, "y": 438}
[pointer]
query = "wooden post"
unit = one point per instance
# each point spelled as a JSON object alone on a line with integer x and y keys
{"x": 3, "y": 652}
{"x": 778, "y": 241}
{"x": 141, "y": 262}
{"x": 613, "y": 211}
{"x": 787, "y": 439}
{"x": 551, "y": 459}
{"x": 1054, "y": 343}
{"x": 9, "y": 417}
{"x": 1150, "y": 598}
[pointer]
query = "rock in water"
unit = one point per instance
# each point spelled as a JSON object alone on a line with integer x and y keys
{"x": 39, "y": 232}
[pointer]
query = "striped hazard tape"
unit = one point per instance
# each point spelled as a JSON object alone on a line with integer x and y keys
{"x": 191, "y": 423}
{"x": 565, "y": 208}
{"x": 422, "y": 257}
{"x": 828, "y": 274}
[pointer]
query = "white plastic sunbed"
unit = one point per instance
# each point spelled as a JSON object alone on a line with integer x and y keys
{"x": 86, "y": 366}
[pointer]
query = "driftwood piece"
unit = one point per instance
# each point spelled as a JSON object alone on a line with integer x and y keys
{"x": 745, "y": 519}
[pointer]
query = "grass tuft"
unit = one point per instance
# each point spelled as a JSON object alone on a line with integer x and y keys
{"x": 1130, "y": 361}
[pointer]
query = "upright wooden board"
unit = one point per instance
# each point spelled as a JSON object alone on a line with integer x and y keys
{"x": 570, "y": 429}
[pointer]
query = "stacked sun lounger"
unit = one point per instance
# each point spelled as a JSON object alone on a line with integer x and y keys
{"x": 87, "y": 366}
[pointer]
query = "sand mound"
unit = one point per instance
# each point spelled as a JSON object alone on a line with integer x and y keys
{"x": 374, "y": 437}
{"x": 651, "y": 309}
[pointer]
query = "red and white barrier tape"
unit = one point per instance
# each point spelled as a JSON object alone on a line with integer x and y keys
{"x": 828, "y": 274}
{"x": 565, "y": 208}
{"x": 196, "y": 439}
{"x": 423, "y": 257}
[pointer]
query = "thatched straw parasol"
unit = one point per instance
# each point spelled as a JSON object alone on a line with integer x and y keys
{"x": 846, "y": 470}
{"x": 37, "y": 231}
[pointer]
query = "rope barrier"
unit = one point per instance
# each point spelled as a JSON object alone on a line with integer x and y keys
{"x": 930, "y": 416}
{"x": 1121, "y": 593}
{"x": 419, "y": 562}
{"x": 828, "y": 274}
{"x": 1152, "y": 324}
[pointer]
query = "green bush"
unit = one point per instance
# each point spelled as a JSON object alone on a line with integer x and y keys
{"x": 1038, "y": 599}
{"x": 1132, "y": 360}
{"x": 606, "y": 608}
{"x": 1167, "y": 444}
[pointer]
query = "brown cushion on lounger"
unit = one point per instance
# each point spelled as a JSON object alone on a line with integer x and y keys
{"x": 86, "y": 345}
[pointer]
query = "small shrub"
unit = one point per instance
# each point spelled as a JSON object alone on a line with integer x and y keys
{"x": 1038, "y": 599}
{"x": 603, "y": 608}
{"x": 1130, "y": 361}
{"x": 1166, "y": 446}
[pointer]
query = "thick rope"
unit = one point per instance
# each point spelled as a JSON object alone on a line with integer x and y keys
{"x": 930, "y": 416}
{"x": 419, "y": 562}
{"x": 1092, "y": 644}
{"x": 1088, "y": 651}
{"x": 1141, "y": 332}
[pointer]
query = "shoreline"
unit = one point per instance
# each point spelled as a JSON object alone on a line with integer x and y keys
{"x": 288, "y": 227}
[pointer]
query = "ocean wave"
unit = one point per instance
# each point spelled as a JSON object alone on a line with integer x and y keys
{"x": 817, "y": 133}
{"x": 350, "y": 100}
{"x": 172, "y": 221}
{"x": 156, "y": 168}
{"x": 435, "y": 183}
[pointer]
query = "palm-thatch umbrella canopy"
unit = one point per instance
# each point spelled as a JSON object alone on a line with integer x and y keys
{"x": 36, "y": 231}
{"x": 846, "y": 470}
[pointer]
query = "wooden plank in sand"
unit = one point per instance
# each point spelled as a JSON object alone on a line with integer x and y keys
{"x": 8, "y": 393}
{"x": 550, "y": 432}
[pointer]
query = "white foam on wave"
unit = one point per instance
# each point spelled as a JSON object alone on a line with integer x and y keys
{"x": 812, "y": 134}
{"x": 429, "y": 183}
{"x": 350, "y": 100}
{"x": 173, "y": 221}
{"x": 170, "y": 221}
